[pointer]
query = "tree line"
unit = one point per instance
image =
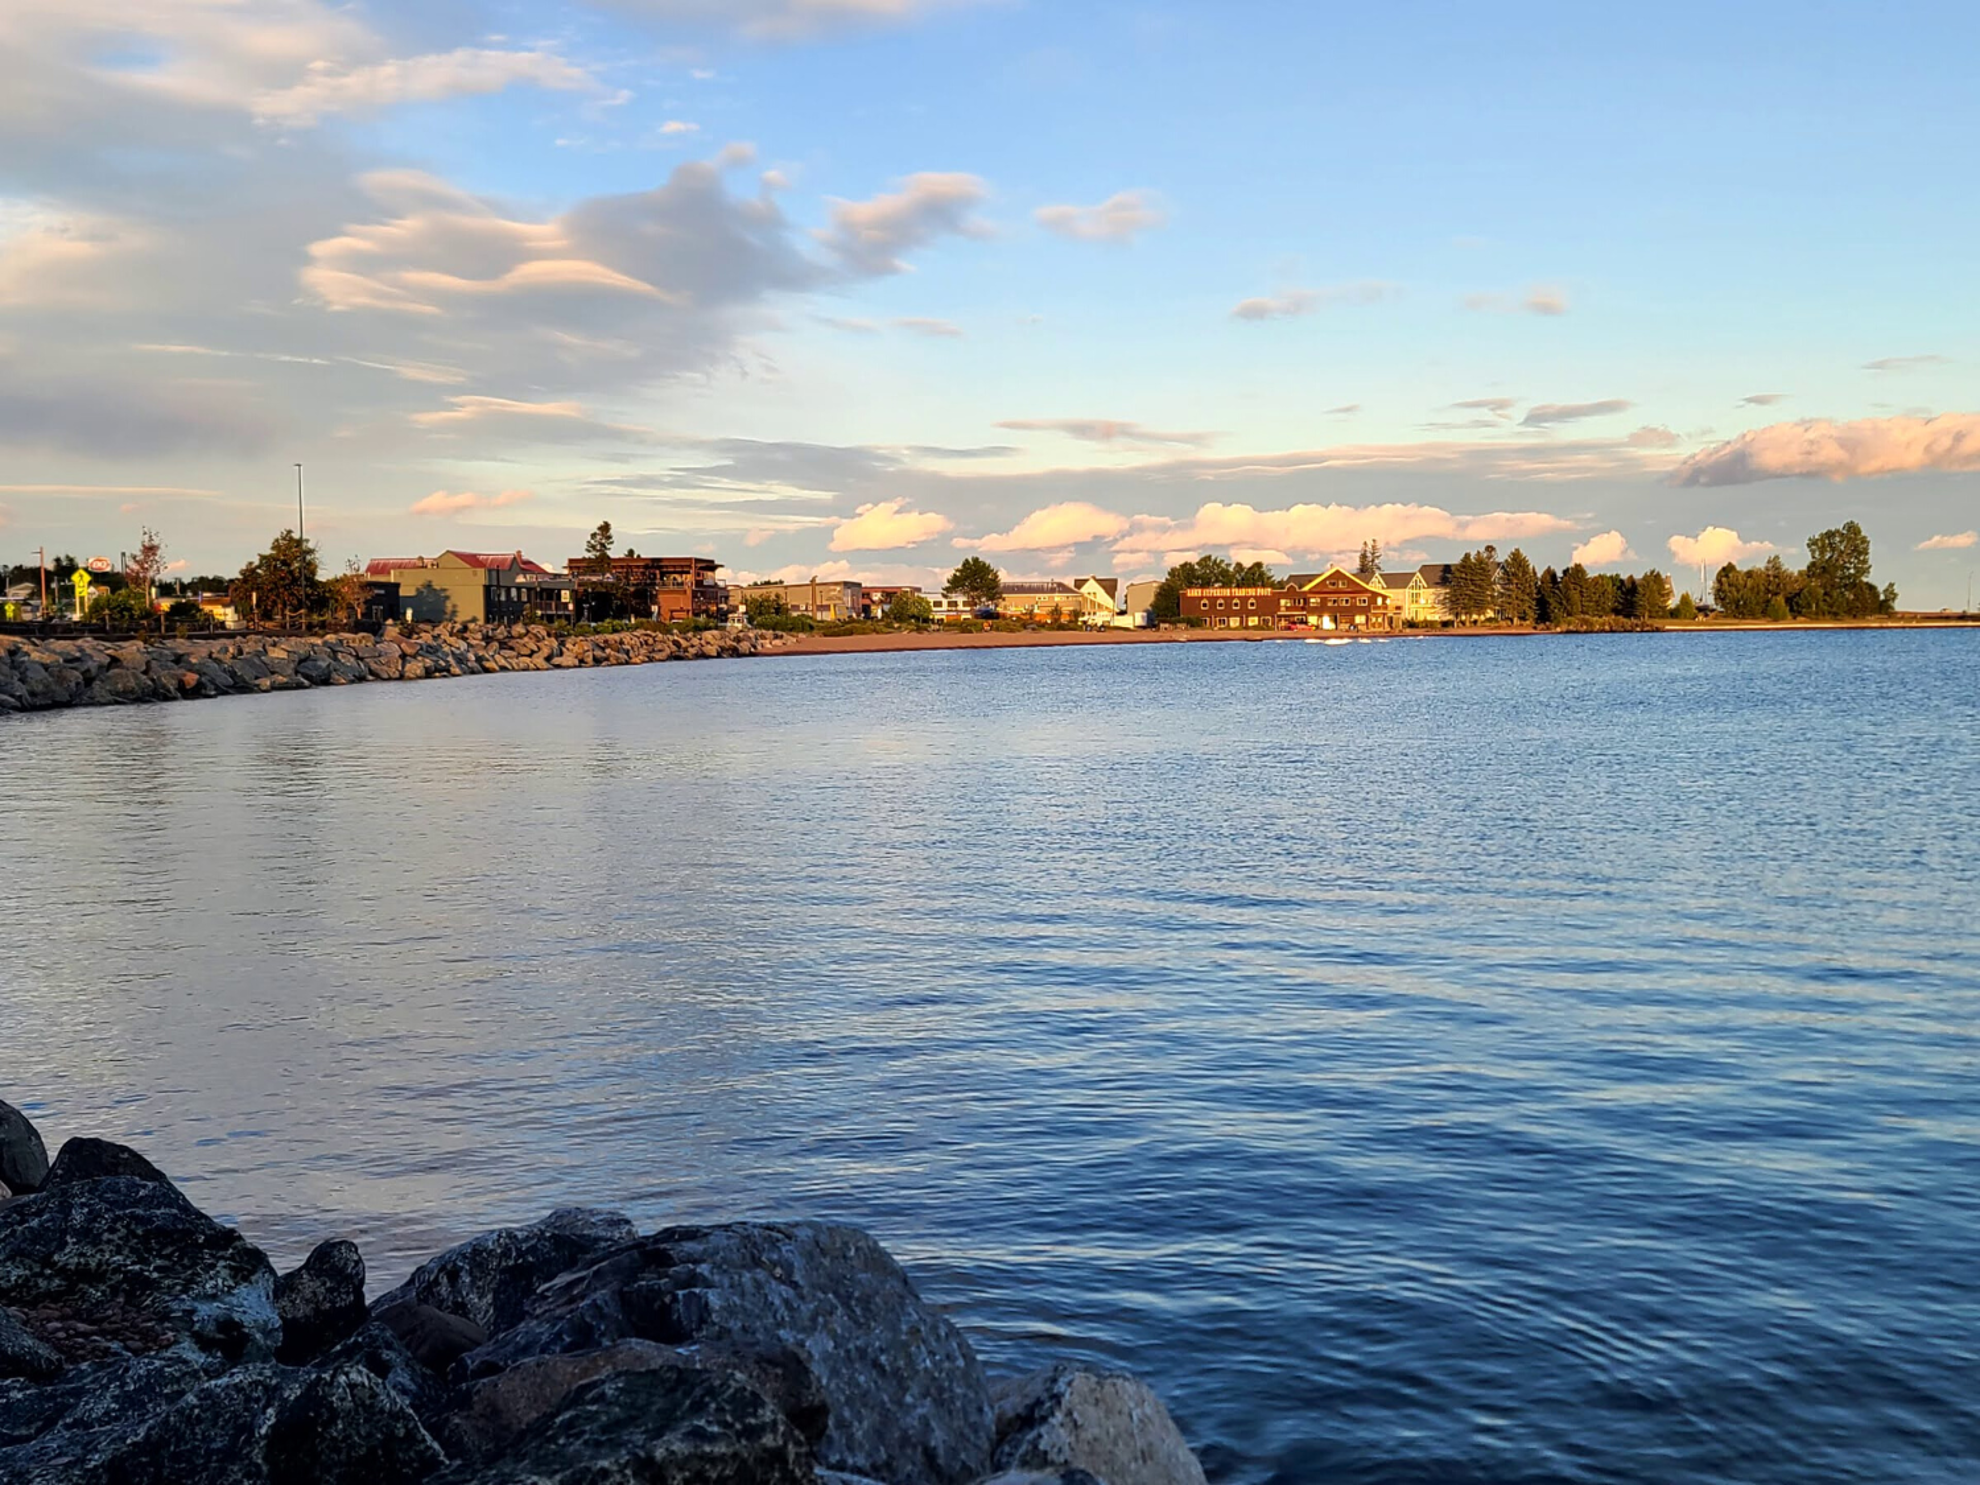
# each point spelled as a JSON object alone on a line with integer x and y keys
{"x": 1834, "y": 585}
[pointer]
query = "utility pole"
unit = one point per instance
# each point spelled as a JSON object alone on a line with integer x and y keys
{"x": 41, "y": 558}
{"x": 299, "y": 503}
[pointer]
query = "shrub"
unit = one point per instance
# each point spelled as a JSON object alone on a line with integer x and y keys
{"x": 1777, "y": 610}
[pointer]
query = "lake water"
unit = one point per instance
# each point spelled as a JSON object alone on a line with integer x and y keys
{"x": 1488, "y": 1060}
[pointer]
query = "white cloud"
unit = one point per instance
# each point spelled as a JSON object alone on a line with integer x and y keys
{"x": 1107, "y": 431}
{"x": 1053, "y": 528}
{"x": 1290, "y": 303}
{"x": 1904, "y": 363}
{"x": 1819, "y": 449}
{"x": 1547, "y": 414}
{"x": 1322, "y": 530}
{"x": 1653, "y": 437}
{"x": 869, "y": 237}
{"x": 679, "y": 127}
{"x": 1955, "y": 542}
{"x": 1117, "y": 219}
{"x": 783, "y": 20}
{"x": 329, "y": 89}
{"x": 1601, "y": 551}
{"x": 885, "y": 525}
{"x": 445, "y": 503}
{"x": 1498, "y": 407}
{"x": 1714, "y": 547}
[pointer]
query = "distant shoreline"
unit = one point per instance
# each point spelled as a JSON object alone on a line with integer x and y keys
{"x": 879, "y": 644}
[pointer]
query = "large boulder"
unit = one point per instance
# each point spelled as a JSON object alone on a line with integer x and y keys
{"x": 322, "y": 1302}
{"x": 123, "y": 1264}
{"x": 256, "y": 1425}
{"x": 97, "y": 1160}
{"x": 489, "y": 1279}
{"x": 23, "y": 1157}
{"x": 666, "y": 1426}
{"x": 907, "y": 1400}
{"x": 434, "y": 1338}
{"x": 1108, "y": 1423}
{"x": 488, "y": 1414}
{"x": 96, "y": 1398}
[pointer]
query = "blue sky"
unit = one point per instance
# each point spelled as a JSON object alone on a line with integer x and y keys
{"x": 862, "y": 286}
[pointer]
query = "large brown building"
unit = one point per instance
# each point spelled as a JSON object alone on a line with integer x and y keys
{"x": 827, "y": 602}
{"x": 1332, "y": 600}
{"x": 670, "y": 589}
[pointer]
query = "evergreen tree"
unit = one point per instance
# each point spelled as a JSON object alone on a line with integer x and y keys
{"x": 1474, "y": 577}
{"x": 1519, "y": 589}
{"x": 1653, "y": 596}
{"x": 1547, "y": 599}
{"x": 1777, "y": 611}
{"x": 1687, "y": 610}
{"x": 1371, "y": 560}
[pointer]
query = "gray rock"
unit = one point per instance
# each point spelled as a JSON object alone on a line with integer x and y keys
{"x": 434, "y": 1338}
{"x": 130, "y": 1264}
{"x": 322, "y": 1302}
{"x": 96, "y": 1160}
{"x": 23, "y": 1157}
{"x": 23, "y": 1354}
{"x": 256, "y": 1425}
{"x": 489, "y": 1279}
{"x": 667, "y": 1426}
{"x": 97, "y": 1396}
{"x": 1107, "y": 1422}
{"x": 385, "y": 1356}
{"x": 1042, "y": 1477}
{"x": 491, "y": 1412}
{"x": 908, "y": 1402}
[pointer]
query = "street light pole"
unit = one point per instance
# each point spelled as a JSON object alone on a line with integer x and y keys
{"x": 299, "y": 503}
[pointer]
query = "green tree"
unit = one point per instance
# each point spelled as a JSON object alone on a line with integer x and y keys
{"x": 1371, "y": 560}
{"x": 143, "y": 569}
{"x": 122, "y": 608}
{"x": 761, "y": 606}
{"x": 1518, "y": 598}
{"x": 1474, "y": 585}
{"x": 977, "y": 581}
{"x": 1777, "y": 610}
{"x": 1687, "y": 610}
{"x": 1653, "y": 596}
{"x": 909, "y": 608}
{"x": 1205, "y": 572}
{"x": 1547, "y": 596}
{"x": 280, "y": 586}
{"x": 1836, "y": 583}
{"x": 598, "y": 545}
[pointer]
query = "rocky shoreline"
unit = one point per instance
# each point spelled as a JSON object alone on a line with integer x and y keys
{"x": 141, "y": 1341}
{"x": 38, "y": 675}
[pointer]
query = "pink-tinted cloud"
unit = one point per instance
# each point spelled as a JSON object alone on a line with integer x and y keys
{"x": 1322, "y": 530}
{"x": 1107, "y": 431}
{"x": 870, "y": 237}
{"x": 885, "y": 525}
{"x": 1819, "y": 449}
{"x": 1546, "y": 414}
{"x": 453, "y": 503}
{"x": 1053, "y": 528}
{"x": 1956, "y": 541}
{"x": 1601, "y": 551}
{"x": 1715, "y": 546}
{"x": 1117, "y": 219}
{"x": 1291, "y": 303}
{"x": 1653, "y": 437}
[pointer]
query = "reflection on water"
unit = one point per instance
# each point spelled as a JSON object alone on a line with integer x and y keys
{"x": 1481, "y": 1061}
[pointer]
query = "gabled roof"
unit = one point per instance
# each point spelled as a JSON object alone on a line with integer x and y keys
{"x": 1310, "y": 580}
{"x": 379, "y": 567}
{"x": 1110, "y": 586}
{"x": 1040, "y": 590}
{"x": 488, "y": 561}
{"x": 1436, "y": 574}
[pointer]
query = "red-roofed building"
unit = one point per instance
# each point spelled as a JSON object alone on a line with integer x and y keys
{"x": 473, "y": 587}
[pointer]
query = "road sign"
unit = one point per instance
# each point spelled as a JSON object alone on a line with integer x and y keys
{"x": 100, "y": 564}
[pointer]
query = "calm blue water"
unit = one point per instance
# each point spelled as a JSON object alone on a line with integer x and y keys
{"x": 1497, "y": 1060}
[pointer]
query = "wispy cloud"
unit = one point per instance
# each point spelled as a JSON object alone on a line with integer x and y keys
{"x": 1819, "y": 449}
{"x": 328, "y": 89}
{"x": 871, "y": 237}
{"x": 1904, "y": 363}
{"x": 1541, "y": 299}
{"x": 1291, "y": 303}
{"x": 1322, "y": 530}
{"x": 923, "y": 325}
{"x": 1652, "y": 436}
{"x": 1762, "y": 399}
{"x": 1107, "y": 431}
{"x": 1498, "y": 407}
{"x": 1957, "y": 541}
{"x": 454, "y": 503}
{"x": 1120, "y": 218}
{"x": 1547, "y": 414}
